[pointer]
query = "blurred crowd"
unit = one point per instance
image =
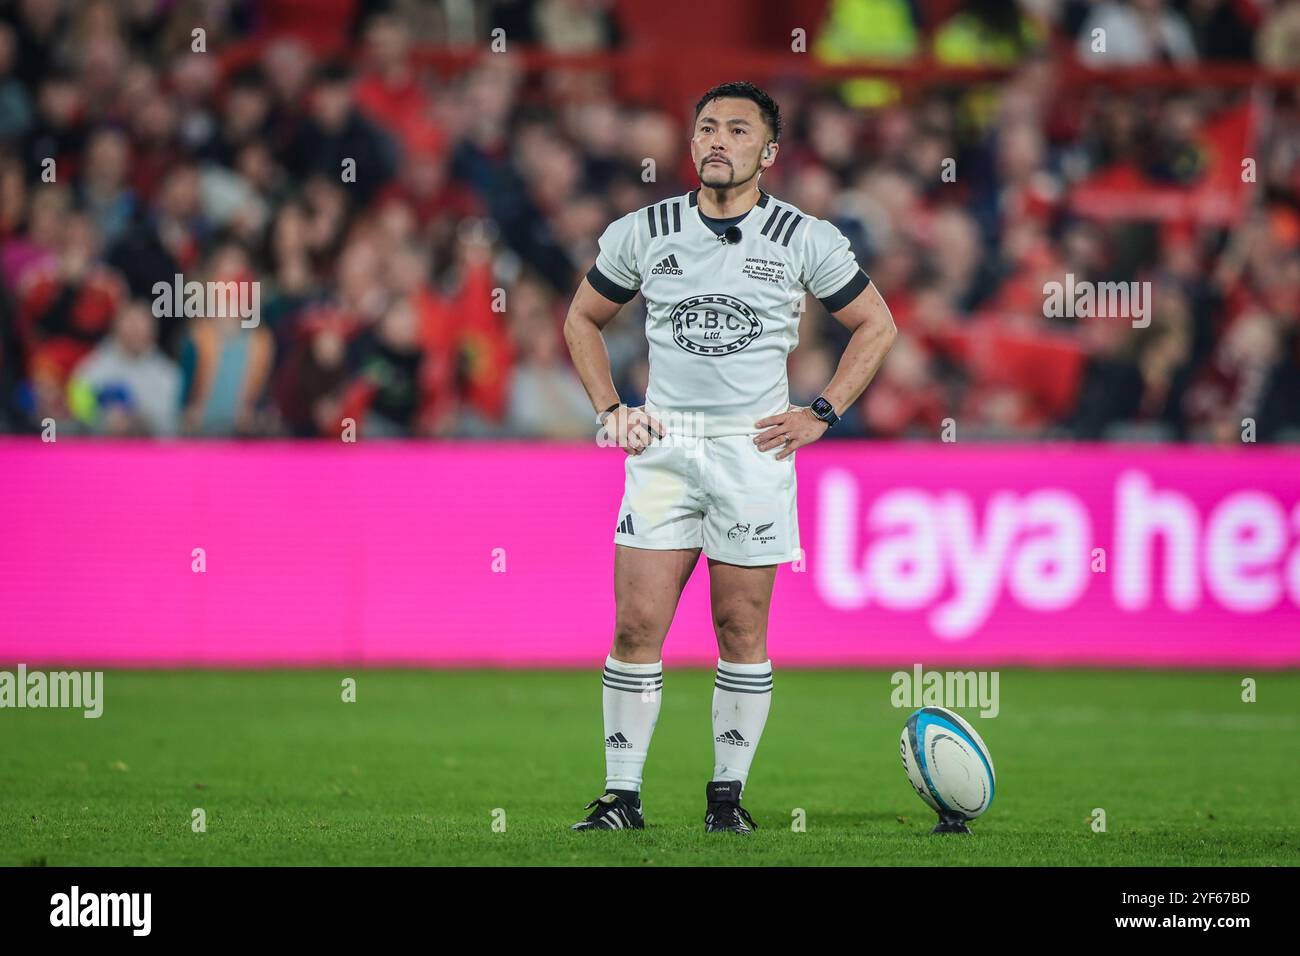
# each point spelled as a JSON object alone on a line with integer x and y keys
{"x": 424, "y": 296}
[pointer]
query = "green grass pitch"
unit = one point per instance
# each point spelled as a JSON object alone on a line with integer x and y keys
{"x": 413, "y": 772}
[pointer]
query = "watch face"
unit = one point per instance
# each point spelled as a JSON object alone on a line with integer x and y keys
{"x": 821, "y": 407}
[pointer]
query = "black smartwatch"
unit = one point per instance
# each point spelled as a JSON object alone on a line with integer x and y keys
{"x": 825, "y": 411}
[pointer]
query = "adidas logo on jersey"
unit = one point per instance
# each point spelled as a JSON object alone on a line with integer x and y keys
{"x": 732, "y": 737}
{"x": 619, "y": 742}
{"x": 668, "y": 267}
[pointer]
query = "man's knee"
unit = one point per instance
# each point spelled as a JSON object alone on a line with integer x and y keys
{"x": 637, "y": 635}
{"x": 742, "y": 634}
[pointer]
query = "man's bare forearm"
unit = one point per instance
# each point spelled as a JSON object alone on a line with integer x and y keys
{"x": 588, "y": 314}
{"x": 870, "y": 343}
{"x": 590, "y": 360}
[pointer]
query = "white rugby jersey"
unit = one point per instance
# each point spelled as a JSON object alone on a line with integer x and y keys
{"x": 721, "y": 318}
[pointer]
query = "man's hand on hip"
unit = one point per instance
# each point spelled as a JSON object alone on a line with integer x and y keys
{"x": 789, "y": 430}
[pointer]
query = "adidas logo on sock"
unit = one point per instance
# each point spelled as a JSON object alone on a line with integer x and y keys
{"x": 625, "y": 526}
{"x": 732, "y": 737}
{"x": 619, "y": 742}
{"x": 668, "y": 267}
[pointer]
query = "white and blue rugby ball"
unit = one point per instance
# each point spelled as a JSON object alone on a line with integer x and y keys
{"x": 947, "y": 763}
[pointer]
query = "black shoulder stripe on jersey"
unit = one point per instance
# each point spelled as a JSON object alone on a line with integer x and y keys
{"x": 608, "y": 288}
{"x": 790, "y": 231}
{"x": 660, "y": 225}
{"x": 776, "y": 211}
{"x": 691, "y": 199}
{"x": 848, "y": 292}
{"x": 780, "y": 224}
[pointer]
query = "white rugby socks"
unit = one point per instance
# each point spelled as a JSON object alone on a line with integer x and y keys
{"x": 742, "y": 696}
{"x": 631, "y": 699}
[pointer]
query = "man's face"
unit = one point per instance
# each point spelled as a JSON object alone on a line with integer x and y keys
{"x": 731, "y": 143}
{"x": 135, "y": 329}
{"x": 332, "y": 105}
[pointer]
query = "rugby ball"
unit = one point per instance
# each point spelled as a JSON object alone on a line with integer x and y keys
{"x": 947, "y": 763}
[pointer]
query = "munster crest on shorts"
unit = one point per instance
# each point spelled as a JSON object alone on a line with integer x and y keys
{"x": 714, "y": 324}
{"x": 737, "y": 531}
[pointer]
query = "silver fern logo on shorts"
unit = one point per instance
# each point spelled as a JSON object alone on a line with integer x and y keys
{"x": 714, "y": 324}
{"x": 761, "y": 536}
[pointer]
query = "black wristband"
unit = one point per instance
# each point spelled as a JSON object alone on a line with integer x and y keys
{"x": 601, "y": 416}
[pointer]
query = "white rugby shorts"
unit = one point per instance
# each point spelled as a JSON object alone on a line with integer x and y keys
{"x": 719, "y": 494}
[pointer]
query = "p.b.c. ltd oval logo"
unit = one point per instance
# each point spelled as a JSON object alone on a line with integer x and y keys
{"x": 714, "y": 324}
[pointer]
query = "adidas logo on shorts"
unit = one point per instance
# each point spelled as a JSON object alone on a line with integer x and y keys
{"x": 668, "y": 267}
